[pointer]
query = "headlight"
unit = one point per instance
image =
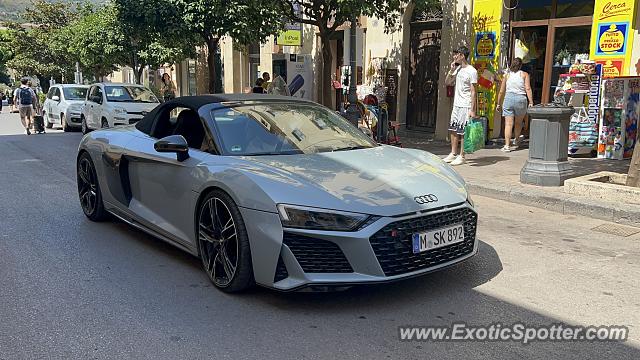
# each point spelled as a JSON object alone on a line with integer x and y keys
{"x": 320, "y": 219}
{"x": 119, "y": 111}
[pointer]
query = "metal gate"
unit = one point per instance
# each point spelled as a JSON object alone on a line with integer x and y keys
{"x": 424, "y": 68}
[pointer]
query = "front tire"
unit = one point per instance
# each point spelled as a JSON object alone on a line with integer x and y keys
{"x": 63, "y": 122}
{"x": 104, "y": 124}
{"x": 224, "y": 243}
{"x": 89, "y": 189}
{"x": 47, "y": 123}
{"x": 83, "y": 126}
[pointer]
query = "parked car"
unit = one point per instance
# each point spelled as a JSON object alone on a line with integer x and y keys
{"x": 278, "y": 191}
{"x": 63, "y": 105}
{"x": 111, "y": 104}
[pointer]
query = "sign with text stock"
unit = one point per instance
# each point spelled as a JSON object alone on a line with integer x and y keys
{"x": 612, "y": 35}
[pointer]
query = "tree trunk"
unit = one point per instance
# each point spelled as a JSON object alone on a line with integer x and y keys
{"x": 138, "y": 73}
{"x": 633, "y": 178}
{"x": 212, "y": 47}
{"x": 326, "y": 91}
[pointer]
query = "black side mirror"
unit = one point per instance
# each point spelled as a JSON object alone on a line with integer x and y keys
{"x": 173, "y": 144}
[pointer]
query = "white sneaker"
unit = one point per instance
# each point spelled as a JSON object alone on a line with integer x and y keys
{"x": 505, "y": 148}
{"x": 450, "y": 158}
{"x": 458, "y": 161}
{"x": 518, "y": 141}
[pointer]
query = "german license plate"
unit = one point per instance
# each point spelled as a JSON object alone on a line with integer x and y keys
{"x": 429, "y": 240}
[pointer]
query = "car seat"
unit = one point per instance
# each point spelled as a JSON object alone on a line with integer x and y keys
{"x": 190, "y": 127}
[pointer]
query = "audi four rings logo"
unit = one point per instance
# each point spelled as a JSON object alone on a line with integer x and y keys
{"x": 426, "y": 199}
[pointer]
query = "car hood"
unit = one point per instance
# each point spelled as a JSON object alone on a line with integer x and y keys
{"x": 380, "y": 181}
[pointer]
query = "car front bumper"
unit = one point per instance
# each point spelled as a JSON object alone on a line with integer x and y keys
{"x": 292, "y": 259}
{"x": 74, "y": 118}
{"x": 126, "y": 119}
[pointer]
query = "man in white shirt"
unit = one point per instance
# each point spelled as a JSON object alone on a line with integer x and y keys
{"x": 465, "y": 77}
{"x": 25, "y": 97}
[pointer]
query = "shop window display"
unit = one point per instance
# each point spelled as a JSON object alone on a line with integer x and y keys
{"x": 530, "y": 45}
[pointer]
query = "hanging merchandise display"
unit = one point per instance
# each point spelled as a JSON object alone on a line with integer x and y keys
{"x": 580, "y": 88}
{"x": 620, "y": 113}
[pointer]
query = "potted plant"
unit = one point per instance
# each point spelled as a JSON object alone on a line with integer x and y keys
{"x": 563, "y": 56}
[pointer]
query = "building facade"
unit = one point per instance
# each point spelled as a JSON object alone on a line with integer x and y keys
{"x": 410, "y": 63}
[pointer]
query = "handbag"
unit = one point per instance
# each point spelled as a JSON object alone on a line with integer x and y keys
{"x": 474, "y": 136}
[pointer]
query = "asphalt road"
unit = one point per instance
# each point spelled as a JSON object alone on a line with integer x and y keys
{"x": 73, "y": 289}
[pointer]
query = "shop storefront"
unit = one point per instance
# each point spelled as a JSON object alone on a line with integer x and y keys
{"x": 550, "y": 36}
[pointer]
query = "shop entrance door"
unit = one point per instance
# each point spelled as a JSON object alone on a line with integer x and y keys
{"x": 423, "y": 76}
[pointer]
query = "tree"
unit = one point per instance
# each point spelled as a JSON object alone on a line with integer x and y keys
{"x": 5, "y": 55}
{"x": 245, "y": 21}
{"x": 328, "y": 15}
{"x": 30, "y": 43}
{"x": 153, "y": 34}
{"x": 96, "y": 41}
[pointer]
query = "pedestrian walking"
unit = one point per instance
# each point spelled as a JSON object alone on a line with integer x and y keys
{"x": 465, "y": 77}
{"x": 24, "y": 98}
{"x": 515, "y": 94}
{"x": 167, "y": 89}
{"x": 258, "y": 89}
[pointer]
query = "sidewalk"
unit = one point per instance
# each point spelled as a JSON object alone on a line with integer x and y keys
{"x": 493, "y": 173}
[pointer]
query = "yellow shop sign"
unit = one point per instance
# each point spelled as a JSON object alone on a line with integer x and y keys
{"x": 611, "y": 10}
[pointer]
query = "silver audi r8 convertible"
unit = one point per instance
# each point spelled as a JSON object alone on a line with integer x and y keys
{"x": 278, "y": 192}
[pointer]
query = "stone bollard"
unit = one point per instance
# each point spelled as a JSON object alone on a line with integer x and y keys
{"x": 548, "y": 163}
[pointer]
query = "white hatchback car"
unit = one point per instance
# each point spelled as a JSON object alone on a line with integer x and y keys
{"x": 111, "y": 104}
{"x": 63, "y": 105}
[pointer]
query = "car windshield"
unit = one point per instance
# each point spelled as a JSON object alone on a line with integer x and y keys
{"x": 75, "y": 93}
{"x": 129, "y": 94}
{"x": 285, "y": 128}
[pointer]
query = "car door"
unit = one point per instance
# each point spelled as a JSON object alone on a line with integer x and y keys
{"x": 47, "y": 103}
{"x": 162, "y": 188}
{"x": 54, "y": 110}
{"x": 89, "y": 104}
{"x": 96, "y": 115}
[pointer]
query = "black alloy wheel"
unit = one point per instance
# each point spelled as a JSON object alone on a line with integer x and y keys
{"x": 89, "y": 189}
{"x": 224, "y": 244}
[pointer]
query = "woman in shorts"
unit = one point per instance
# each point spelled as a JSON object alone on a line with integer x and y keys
{"x": 516, "y": 93}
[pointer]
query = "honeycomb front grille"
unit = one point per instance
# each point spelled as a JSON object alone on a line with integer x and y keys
{"x": 395, "y": 253}
{"x": 317, "y": 255}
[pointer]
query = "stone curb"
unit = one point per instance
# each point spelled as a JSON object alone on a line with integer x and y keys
{"x": 628, "y": 214}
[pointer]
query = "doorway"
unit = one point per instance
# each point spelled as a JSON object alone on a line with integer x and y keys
{"x": 424, "y": 60}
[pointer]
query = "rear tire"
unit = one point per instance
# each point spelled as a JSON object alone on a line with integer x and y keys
{"x": 89, "y": 189}
{"x": 224, "y": 243}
